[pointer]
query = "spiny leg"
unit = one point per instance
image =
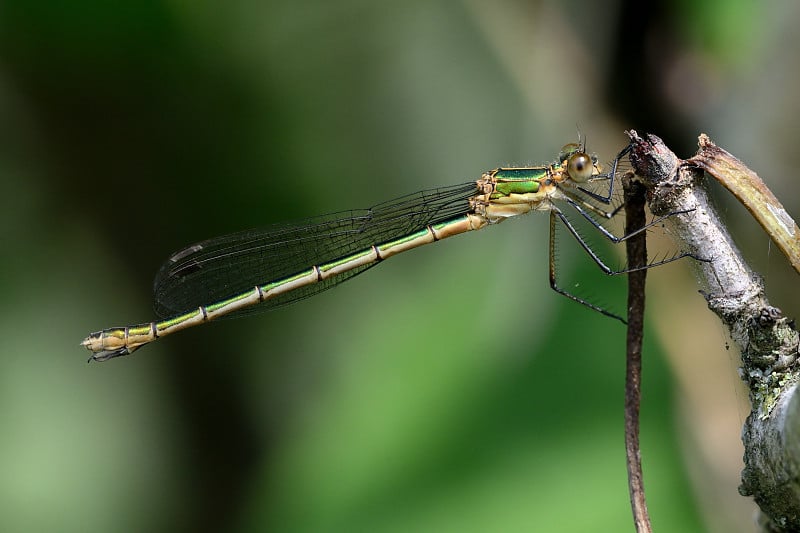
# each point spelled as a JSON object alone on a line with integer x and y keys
{"x": 552, "y": 267}
{"x": 555, "y": 212}
{"x": 576, "y": 204}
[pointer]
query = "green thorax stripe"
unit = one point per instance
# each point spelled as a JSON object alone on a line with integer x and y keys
{"x": 519, "y": 180}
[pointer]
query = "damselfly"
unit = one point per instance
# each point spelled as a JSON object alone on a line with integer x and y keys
{"x": 266, "y": 268}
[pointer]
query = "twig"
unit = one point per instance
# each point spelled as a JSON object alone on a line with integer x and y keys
{"x": 767, "y": 340}
{"x": 636, "y": 248}
{"x": 753, "y": 194}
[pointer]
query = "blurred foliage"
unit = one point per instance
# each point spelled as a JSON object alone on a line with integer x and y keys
{"x": 447, "y": 390}
{"x": 716, "y": 28}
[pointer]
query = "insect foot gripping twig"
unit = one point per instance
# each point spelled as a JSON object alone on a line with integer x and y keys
{"x": 768, "y": 341}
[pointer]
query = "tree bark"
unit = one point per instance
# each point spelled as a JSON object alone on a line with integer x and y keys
{"x": 768, "y": 341}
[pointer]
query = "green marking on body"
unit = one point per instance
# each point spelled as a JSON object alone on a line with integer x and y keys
{"x": 519, "y": 180}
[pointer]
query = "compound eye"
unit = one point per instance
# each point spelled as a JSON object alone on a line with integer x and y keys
{"x": 580, "y": 167}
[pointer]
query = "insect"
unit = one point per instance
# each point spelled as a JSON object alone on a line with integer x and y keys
{"x": 266, "y": 268}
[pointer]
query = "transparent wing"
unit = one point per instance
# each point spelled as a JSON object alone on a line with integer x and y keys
{"x": 216, "y": 269}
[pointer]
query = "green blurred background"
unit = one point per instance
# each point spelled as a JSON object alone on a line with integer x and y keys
{"x": 447, "y": 390}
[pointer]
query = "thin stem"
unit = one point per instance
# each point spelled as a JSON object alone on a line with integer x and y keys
{"x": 636, "y": 248}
